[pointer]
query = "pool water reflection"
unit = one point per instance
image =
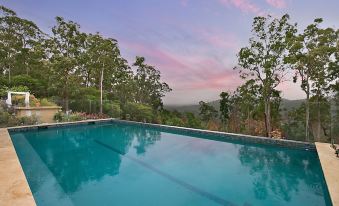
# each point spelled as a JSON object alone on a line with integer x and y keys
{"x": 122, "y": 164}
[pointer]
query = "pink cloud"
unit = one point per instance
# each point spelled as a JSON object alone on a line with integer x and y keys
{"x": 189, "y": 71}
{"x": 219, "y": 39}
{"x": 219, "y": 80}
{"x": 280, "y": 4}
{"x": 244, "y": 5}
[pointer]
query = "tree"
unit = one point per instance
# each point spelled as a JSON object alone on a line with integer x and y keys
{"x": 192, "y": 121}
{"x": 310, "y": 55}
{"x": 247, "y": 98}
{"x": 263, "y": 60}
{"x": 102, "y": 54}
{"x": 150, "y": 89}
{"x": 18, "y": 38}
{"x": 121, "y": 85}
{"x": 225, "y": 105}
{"x": 207, "y": 112}
{"x": 65, "y": 47}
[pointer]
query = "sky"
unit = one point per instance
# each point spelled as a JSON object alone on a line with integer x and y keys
{"x": 192, "y": 42}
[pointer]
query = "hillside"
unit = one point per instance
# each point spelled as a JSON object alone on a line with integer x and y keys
{"x": 194, "y": 108}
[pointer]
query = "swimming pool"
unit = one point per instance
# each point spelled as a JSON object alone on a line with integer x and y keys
{"x": 114, "y": 163}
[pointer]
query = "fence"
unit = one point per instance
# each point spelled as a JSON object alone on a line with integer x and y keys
{"x": 323, "y": 117}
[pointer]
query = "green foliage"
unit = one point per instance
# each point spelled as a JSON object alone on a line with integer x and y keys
{"x": 18, "y": 40}
{"x": 192, "y": 121}
{"x": 294, "y": 126}
{"x": 264, "y": 59}
{"x": 224, "y": 107}
{"x": 8, "y": 119}
{"x": 4, "y": 90}
{"x": 149, "y": 88}
{"x": 207, "y": 112}
{"x": 34, "y": 85}
{"x": 112, "y": 109}
{"x": 312, "y": 56}
{"x": 62, "y": 117}
{"x": 46, "y": 102}
{"x": 139, "y": 112}
{"x": 80, "y": 71}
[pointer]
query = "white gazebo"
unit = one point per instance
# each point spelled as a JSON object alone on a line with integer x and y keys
{"x": 9, "y": 97}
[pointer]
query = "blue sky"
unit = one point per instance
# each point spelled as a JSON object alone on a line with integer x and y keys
{"x": 192, "y": 42}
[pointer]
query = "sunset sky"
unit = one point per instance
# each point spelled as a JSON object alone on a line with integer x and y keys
{"x": 192, "y": 42}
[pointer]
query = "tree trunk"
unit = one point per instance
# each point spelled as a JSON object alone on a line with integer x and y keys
{"x": 248, "y": 120}
{"x": 9, "y": 75}
{"x": 66, "y": 101}
{"x": 307, "y": 119}
{"x": 268, "y": 117}
{"x": 318, "y": 119}
{"x": 101, "y": 81}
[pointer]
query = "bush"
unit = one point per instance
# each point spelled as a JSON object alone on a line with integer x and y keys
{"x": 192, "y": 121}
{"x": 25, "y": 80}
{"x": 5, "y": 89}
{"x": 174, "y": 121}
{"x": 62, "y": 117}
{"x": 4, "y": 116}
{"x": 7, "y": 119}
{"x": 46, "y": 102}
{"x": 112, "y": 109}
{"x": 139, "y": 112}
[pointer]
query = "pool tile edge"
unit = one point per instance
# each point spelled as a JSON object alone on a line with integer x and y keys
{"x": 14, "y": 188}
{"x": 330, "y": 166}
{"x": 230, "y": 136}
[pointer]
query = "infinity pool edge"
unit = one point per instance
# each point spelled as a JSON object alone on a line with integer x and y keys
{"x": 20, "y": 194}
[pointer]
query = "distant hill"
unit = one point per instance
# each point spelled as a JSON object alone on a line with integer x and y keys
{"x": 194, "y": 108}
{"x": 291, "y": 104}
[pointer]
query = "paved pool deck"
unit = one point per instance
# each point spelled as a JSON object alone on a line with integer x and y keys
{"x": 14, "y": 188}
{"x": 330, "y": 166}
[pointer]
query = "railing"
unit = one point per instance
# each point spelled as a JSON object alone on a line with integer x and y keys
{"x": 291, "y": 123}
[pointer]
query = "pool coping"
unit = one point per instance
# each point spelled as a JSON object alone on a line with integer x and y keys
{"x": 330, "y": 166}
{"x": 15, "y": 194}
{"x": 14, "y": 188}
{"x": 222, "y": 135}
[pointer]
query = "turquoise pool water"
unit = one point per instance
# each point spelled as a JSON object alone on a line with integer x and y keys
{"x": 126, "y": 164}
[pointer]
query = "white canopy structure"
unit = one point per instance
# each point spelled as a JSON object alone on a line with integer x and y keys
{"x": 9, "y": 97}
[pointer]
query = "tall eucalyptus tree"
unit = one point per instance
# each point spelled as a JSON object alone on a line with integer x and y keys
{"x": 310, "y": 56}
{"x": 263, "y": 60}
{"x": 18, "y": 38}
{"x": 149, "y": 87}
{"x": 104, "y": 54}
{"x": 64, "y": 49}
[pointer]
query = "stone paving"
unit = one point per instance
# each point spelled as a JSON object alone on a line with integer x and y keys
{"x": 330, "y": 165}
{"x": 14, "y": 189}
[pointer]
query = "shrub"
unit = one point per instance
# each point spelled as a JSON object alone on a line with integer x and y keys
{"x": 192, "y": 121}
{"x": 112, "y": 109}
{"x": 75, "y": 117}
{"x": 139, "y": 112}
{"x": 7, "y": 119}
{"x": 35, "y": 85}
{"x": 62, "y": 117}
{"x": 33, "y": 101}
{"x": 46, "y": 102}
{"x": 175, "y": 121}
{"x": 4, "y": 116}
{"x": 5, "y": 89}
